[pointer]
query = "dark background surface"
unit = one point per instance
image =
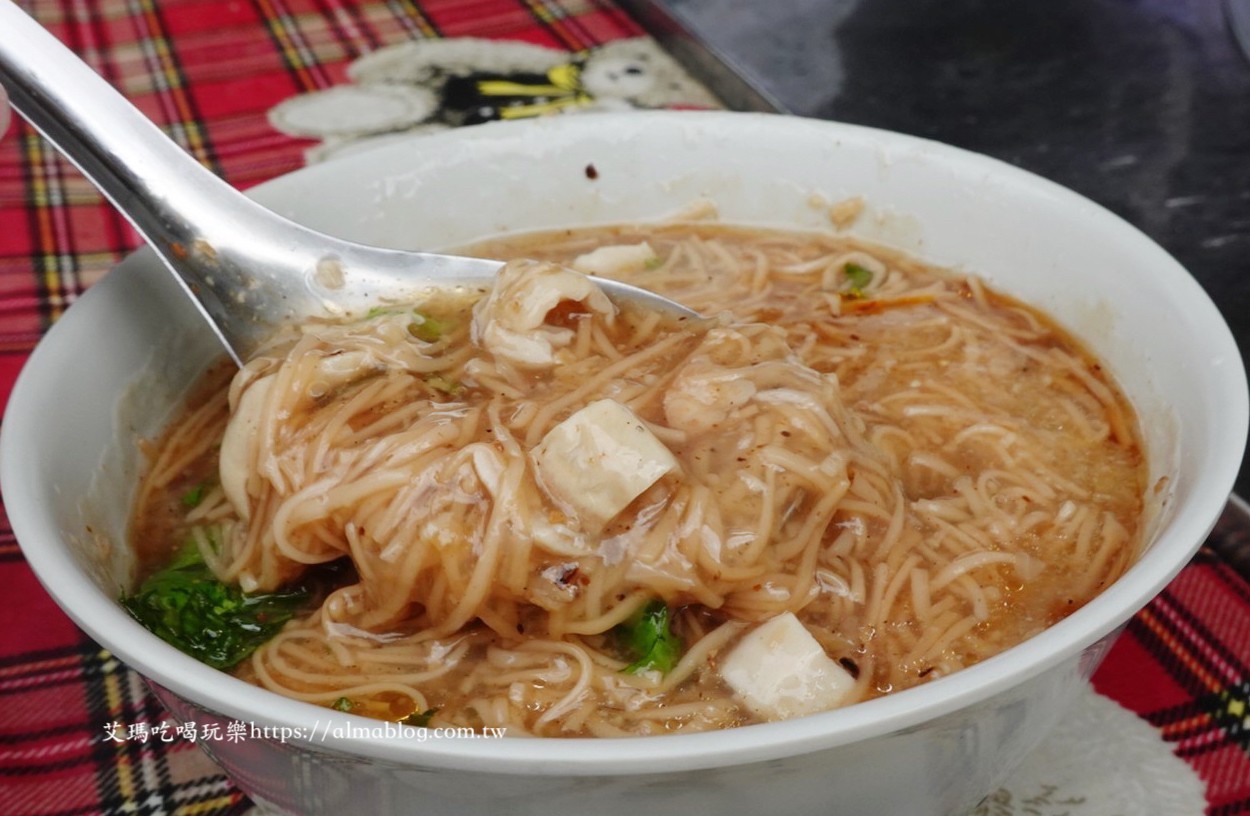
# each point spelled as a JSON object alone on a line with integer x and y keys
{"x": 1141, "y": 105}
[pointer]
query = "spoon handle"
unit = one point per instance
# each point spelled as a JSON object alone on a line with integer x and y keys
{"x": 247, "y": 268}
{"x": 148, "y": 177}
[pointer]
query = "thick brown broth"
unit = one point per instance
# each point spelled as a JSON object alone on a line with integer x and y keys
{"x": 925, "y": 472}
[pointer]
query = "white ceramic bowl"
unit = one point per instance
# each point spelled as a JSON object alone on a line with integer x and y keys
{"x": 115, "y": 364}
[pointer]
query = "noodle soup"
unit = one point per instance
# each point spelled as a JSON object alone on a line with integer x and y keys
{"x": 529, "y": 510}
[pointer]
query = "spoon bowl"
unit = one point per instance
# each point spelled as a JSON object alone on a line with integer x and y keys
{"x": 248, "y": 269}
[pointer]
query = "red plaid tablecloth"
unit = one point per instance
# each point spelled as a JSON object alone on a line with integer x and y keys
{"x": 73, "y": 736}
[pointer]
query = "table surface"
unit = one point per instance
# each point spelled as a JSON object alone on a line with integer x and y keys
{"x": 1141, "y": 105}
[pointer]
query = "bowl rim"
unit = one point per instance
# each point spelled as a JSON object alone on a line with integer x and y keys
{"x": 104, "y": 620}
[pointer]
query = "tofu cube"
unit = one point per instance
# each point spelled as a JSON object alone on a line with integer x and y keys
{"x": 779, "y": 671}
{"x": 599, "y": 460}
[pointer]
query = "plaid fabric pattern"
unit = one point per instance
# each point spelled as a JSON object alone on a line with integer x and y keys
{"x": 79, "y": 734}
{"x": 1183, "y": 664}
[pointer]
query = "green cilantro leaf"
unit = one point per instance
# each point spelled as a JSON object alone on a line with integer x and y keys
{"x": 858, "y": 277}
{"x": 219, "y": 624}
{"x": 648, "y": 637}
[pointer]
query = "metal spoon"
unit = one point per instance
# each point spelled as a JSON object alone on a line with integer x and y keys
{"x": 248, "y": 269}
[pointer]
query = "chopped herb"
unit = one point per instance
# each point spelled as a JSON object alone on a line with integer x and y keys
{"x": 858, "y": 277}
{"x": 379, "y": 311}
{"x": 441, "y": 383}
{"x": 343, "y": 704}
{"x": 648, "y": 637}
{"x": 192, "y": 498}
{"x": 219, "y": 624}
{"x": 424, "y": 327}
{"x": 419, "y": 719}
{"x": 654, "y": 262}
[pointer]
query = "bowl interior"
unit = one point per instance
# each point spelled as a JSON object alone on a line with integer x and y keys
{"x": 112, "y": 369}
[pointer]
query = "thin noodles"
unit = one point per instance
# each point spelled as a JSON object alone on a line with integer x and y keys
{"x": 920, "y": 470}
